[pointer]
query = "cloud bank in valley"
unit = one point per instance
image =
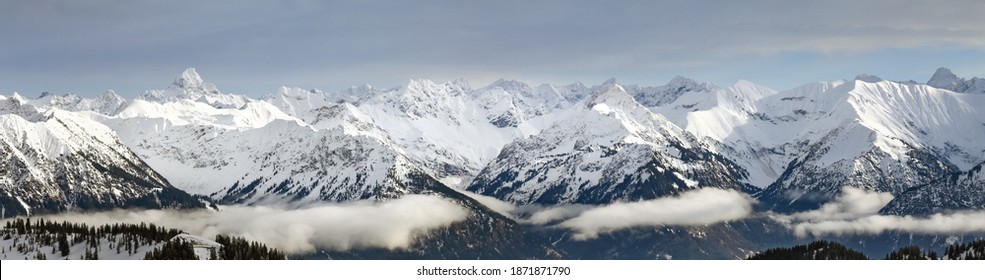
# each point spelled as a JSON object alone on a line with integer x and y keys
{"x": 856, "y": 212}
{"x": 539, "y": 215}
{"x": 392, "y": 224}
{"x": 502, "y": 207}
{"x": 699, "y": 207}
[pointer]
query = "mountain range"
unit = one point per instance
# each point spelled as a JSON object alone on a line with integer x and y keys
{"x": 191, "y": 144}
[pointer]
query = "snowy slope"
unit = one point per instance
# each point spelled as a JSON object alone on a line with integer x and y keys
{"x": 806, "y": 143}
{"x": 660, "y": 95}
{"x": 440, "y": 127}
{"x": 111, "y": 247}
{"x": 610, "y": 148}
{"x": 510, "y": 103}
{"x": 256, "y": 153}
{"x": 344, "y": 158}
{"x": 883, "y": 135}
{"x": 107, "y": 103}
{"x": 252, "y": 114}
{"x": 450, "y": 130}
{"x": 53, "y": 160}
{"x": 713, "y": 115}
{"x": 302, "y": 103}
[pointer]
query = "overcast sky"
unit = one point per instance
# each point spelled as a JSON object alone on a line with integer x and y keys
{"x": 253, "y": 47}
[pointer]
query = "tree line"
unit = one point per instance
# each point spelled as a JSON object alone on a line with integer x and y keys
{"x": 828, "y": 250}
{"x": 33, "y": 238}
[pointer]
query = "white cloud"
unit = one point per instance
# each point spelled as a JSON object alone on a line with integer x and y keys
{"x": 546, "y": 215}
{"x": 699, "y": 207}
{"x": 852, "y": 203}
{"x": 501, "y": 207}
{"x": 960, "y": 222}
{"x": 856, "y": 212}
{"x": 392, "y": 224}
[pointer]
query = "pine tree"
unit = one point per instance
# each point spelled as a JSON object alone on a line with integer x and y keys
{"x": 63, "y": 244}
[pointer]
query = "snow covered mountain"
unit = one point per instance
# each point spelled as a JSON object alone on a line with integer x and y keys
{"x": 510, "y": 103}
{"x": 660, "y": 95}
{"x": 53, "y": 160}
{"x": 257, "y": 153}
{"x": 889, "y": 137}
{"x": 950, "y": 192}
{"x": 945, "y": 79}
{"x": 795, "y": 149}
{"x": 107, "y": 104}
{"x": 190, "y": 86}
{"x": 610, "y": 148}
{"x": 448, "y": 129}
{"x": 803, "y": 145}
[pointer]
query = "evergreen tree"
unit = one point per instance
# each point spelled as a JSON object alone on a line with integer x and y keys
{"x": 974, "y": 250}
{"x": 911, "y": 252}
{"x": 63, "y": 244}
{"x": 817, "y": 250}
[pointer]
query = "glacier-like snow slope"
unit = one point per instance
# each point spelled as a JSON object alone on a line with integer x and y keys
{"x": 449, "y": 130}
{"x": 340, "y": 157}
{"x": 107, "y": 103}
{"x": 53, "y": 160}
{"x": 610, "y": 148}
{"x": 807, "y": 143}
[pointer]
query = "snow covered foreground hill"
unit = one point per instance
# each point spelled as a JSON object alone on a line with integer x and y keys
{"x": 551, "y": 144}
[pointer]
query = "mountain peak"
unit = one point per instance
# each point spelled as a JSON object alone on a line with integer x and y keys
{"x": 943, "y": 78}
{"x": 868, "y": 78}
{"x": 190, "y": 84}
{"x": 17, "y": 97}
{"x": 508, "y": 85}
{"x": 189, "y": 79}
{"x": 111, "y": 93}
{"x": 612, "y": 95}
{"x": 681, "y": 80}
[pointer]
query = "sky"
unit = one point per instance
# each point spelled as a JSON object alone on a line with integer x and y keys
{"x": 254, "y": 47}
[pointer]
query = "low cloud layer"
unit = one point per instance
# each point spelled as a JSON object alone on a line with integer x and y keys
{"x": 546, "y": 215}
{"x": 853, "y": 203}
{"x": 501, "y": 207}
{"x": 392, "y": 224}
{"x": 961, "y": 222}
{"x": 856, "y": 212}
{"x": 699, "y": 207}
